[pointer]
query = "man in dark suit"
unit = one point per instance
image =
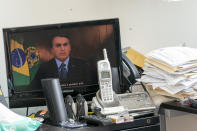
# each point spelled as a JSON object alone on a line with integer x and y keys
{"x": 71, "y": 71}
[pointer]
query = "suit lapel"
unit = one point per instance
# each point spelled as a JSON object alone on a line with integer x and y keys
{"x": 54, "y": 67}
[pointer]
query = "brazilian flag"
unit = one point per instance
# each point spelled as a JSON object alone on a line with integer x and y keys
{"x": 20, "y": 67}
{"x": 32, "y": 56}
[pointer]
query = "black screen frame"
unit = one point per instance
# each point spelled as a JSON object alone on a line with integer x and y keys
{"x": 34, "y": 98}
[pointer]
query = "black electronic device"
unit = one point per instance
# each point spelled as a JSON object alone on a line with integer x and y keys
{"x": 97, "y": 120}
{"x": 27, "y": 49}
{"x": 54, "y": 99}
{"x": 130, "y": 72}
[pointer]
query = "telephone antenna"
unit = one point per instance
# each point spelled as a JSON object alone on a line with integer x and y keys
{"x": 105, "y": 54}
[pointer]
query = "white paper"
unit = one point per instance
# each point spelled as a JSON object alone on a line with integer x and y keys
{"x": 174, "y": 56}
{"x": 8, "y": 116}
{"x": 177, "y": 71}
{"x": 171, "y": 79}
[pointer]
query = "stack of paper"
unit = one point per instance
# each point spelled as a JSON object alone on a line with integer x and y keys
{"x": 172, "y": 69}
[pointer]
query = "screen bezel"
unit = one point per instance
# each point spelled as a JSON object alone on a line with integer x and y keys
{"x": 39, "y": 101}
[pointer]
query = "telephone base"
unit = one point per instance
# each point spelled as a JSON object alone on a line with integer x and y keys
{"x": 112, "y": 110}
{"x": 106, "y": 110}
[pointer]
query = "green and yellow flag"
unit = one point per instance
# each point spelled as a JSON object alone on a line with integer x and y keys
{"x": 33, "y": 59}
{"x": 19, "y": 63}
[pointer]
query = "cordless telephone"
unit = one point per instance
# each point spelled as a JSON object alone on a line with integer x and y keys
{"x": 105, "y": 79}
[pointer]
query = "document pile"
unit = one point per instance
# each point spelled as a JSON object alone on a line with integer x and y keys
{"x": 172, "y": 70}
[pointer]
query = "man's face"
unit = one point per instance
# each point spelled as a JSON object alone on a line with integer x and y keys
{"x": 61, "y": 48}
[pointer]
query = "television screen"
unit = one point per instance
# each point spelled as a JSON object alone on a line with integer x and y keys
{"x": 68, "y": 51}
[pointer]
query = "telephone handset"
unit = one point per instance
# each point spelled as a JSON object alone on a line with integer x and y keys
{"x": 105, "y": 79}
{"x": 129, "y": 65}
{"x": 130, "y": 72}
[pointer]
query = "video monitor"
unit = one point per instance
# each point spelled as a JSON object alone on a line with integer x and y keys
{"x": 37, "y": 52}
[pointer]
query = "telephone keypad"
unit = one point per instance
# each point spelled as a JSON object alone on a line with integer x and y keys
{"x": 106, "y": 91}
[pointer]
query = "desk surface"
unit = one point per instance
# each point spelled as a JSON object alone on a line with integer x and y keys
{"x": 175, "y": 105}
{"x": 148, "y": 124}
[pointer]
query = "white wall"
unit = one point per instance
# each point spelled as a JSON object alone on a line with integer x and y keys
{"x": 144, "y": 24}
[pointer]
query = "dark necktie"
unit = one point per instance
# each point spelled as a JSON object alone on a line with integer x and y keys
{"x": 63, "y": 72}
